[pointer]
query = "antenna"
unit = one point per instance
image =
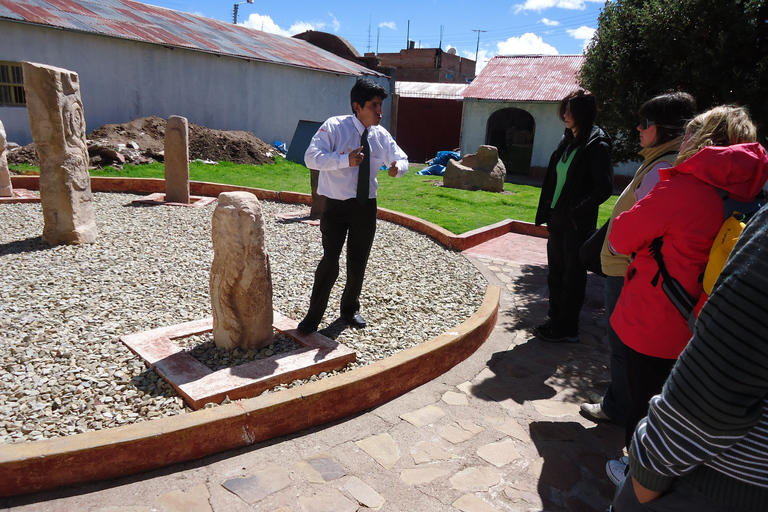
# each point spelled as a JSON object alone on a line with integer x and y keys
{"x": 369, "y": 33}
{"x": 477, "y": 49}
{"x": 440, "y": 45}
{"x": 378, "y": 34}
{"x": 408, "y": 36}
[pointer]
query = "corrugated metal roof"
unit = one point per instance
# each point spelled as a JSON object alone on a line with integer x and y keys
{"x": 443, "y": 91}
{"x": 527, "y": 78}
{"x": 127, "y": 19}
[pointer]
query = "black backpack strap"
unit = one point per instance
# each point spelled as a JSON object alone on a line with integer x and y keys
{"x": 677, "y": 294}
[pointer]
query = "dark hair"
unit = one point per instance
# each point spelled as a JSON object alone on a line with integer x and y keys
{"x": 364, "y": 91}
{"x": 671, "y": 112}
{"x": 583, "y": 111}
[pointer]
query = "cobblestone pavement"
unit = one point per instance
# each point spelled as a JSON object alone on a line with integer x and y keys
{"x": 499, "y": 432}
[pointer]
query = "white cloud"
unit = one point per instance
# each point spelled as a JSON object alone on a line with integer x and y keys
{"x": 335, "y": 23}
{"x": 549, "y": 23}
{"x": 540, "y": 5}
{"x": 302, "y": 26}
{"x": 388, "y": 24}
{"x": 265, "y": 23}
{"x": 583, "y": 34}
{"x": 482, "y": 59}
{"x": 527, "y": 44}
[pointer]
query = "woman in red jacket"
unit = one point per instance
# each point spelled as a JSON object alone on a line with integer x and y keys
{"x": 686, "y": 209}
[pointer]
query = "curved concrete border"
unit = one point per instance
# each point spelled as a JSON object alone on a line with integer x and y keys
{"x": 40, "y": 465}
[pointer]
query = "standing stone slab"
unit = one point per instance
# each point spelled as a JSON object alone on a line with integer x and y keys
{"x": 57, "y": 122}
{"x": 177, "y": 160}
{"x": 241, "y": 279}
{"x": 6, "y": 188}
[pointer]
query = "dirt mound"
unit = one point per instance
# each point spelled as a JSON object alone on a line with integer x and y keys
{"x": 142, "y": 141}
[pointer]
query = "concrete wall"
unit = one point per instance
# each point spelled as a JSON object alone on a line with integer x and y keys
{"x": 547, "y": 132}
{"x": 123, "y": 80}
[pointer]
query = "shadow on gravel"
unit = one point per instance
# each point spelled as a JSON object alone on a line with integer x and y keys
{"x": 21, "y": 246}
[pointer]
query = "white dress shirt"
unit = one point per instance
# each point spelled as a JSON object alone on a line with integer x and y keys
{"x": 329, "y": 153}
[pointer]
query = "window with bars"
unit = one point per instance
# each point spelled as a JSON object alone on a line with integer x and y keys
{"x": 11, "y": 85}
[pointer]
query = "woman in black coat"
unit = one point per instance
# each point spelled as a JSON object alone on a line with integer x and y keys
{"x": 579, "y": 179}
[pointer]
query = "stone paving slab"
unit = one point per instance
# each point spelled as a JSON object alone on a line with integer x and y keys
{"x": 529, "y": 448}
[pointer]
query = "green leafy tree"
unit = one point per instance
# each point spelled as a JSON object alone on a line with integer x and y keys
{"x": 716, "y": 50}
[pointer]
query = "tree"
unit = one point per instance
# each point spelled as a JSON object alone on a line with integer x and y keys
{"x": 716, "y": 50}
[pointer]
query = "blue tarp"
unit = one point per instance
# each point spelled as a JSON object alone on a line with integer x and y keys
{"x": 437, "y": 164}
{"x": 432, "y": 170}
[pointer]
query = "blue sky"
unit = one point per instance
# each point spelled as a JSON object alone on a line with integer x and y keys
{"x": 508, "y": 27}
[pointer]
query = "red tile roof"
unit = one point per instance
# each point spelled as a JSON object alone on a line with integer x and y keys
{"x": 127, "y": 19}
{"x": 527, "y": 78}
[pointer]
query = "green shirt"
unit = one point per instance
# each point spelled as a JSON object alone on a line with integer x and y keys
{"x": 562, "y": 170}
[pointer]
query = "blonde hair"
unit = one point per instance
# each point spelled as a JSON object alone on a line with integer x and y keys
{"x": 720, "y": 126}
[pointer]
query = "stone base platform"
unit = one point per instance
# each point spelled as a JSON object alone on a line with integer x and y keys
{"x": 199, "y": 385}
{"x": 21, "y": 195}
{"x": 159, "y": 198}
{"x": 303, "y": 216}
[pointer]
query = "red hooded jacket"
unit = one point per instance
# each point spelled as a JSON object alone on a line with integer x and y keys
{"x": 687, "y": 210}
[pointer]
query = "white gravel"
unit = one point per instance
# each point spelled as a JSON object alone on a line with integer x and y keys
{"x": 63, "y": 369}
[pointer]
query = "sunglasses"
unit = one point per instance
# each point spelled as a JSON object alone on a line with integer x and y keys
{"x": 645, "y": 123}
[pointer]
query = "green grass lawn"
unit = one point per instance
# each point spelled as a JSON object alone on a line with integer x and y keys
{"x": 456, "y": 210}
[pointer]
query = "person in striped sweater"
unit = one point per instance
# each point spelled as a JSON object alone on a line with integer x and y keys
{"x": 704, "y": 444}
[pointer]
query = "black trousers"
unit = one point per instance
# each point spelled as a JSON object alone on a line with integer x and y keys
{"x": 567, "y": 277}
{"x": 646, "y": 376}
{"x": 342, "y": 221}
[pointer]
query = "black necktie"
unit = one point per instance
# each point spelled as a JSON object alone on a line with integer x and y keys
{"x": 364, "y": 172}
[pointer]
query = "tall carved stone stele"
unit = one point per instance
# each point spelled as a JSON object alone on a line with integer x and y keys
{"x": 6, "y": 188}
{"x": 241, "y": 279}
{"x": 57, "y": 123}
{"x": 177, "y": 160}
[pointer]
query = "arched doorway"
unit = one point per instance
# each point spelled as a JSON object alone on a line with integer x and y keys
{"x": 511, "y": 130}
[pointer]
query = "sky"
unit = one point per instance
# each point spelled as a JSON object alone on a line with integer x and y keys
{"x": 476, "y": 29}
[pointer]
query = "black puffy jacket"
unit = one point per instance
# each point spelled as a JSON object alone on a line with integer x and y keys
{"x": 588, "y": 184}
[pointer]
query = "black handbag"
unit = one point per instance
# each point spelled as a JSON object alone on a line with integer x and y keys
{"x": 589, "y": 252}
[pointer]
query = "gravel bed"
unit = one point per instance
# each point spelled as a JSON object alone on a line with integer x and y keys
{"x": 63, "y": 369}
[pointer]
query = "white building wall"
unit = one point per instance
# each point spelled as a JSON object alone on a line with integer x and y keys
{"x": 123, "y": 80}
{"x": 548, "y": 126}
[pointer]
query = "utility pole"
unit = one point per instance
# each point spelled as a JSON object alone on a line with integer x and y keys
{"x": 237, "y": 6}
{"x": 408, "y": 36}
{"x": 477, "y": 49}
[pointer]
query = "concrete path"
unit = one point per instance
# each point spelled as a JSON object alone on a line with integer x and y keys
{"x": 499, "y": 432}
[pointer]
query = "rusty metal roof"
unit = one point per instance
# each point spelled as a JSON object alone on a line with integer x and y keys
{"x": 443, "y": 91}
{"x": 527, "y": 78}
{"x": 127, "y": 19}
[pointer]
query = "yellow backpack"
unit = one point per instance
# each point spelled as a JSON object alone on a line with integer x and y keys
{"x": 721, "y": 249}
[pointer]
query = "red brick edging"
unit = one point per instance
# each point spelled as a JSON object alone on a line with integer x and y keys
{"x": 41, "y": 465}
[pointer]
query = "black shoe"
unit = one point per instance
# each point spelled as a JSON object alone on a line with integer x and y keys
{"x": 306, "y": 328}
{"x": 355, "y": 320}
{"x": 558, "y": 334}
{"x": 549, "y": 324}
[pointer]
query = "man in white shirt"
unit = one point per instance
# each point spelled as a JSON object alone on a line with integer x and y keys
{"x": 349, "y": 152}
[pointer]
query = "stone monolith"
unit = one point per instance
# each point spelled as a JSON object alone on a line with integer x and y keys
{"x": 483, "y": 170}
{"x": 6, "y": 188}
{"x": 57, "y": 122}
{"x": 177, "y": 160}
{"x": 241, "y": 279}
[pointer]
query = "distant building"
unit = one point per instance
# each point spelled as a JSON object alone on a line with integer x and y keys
{"x": 428, "y": 65}
{"x": 136, "y": 60}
